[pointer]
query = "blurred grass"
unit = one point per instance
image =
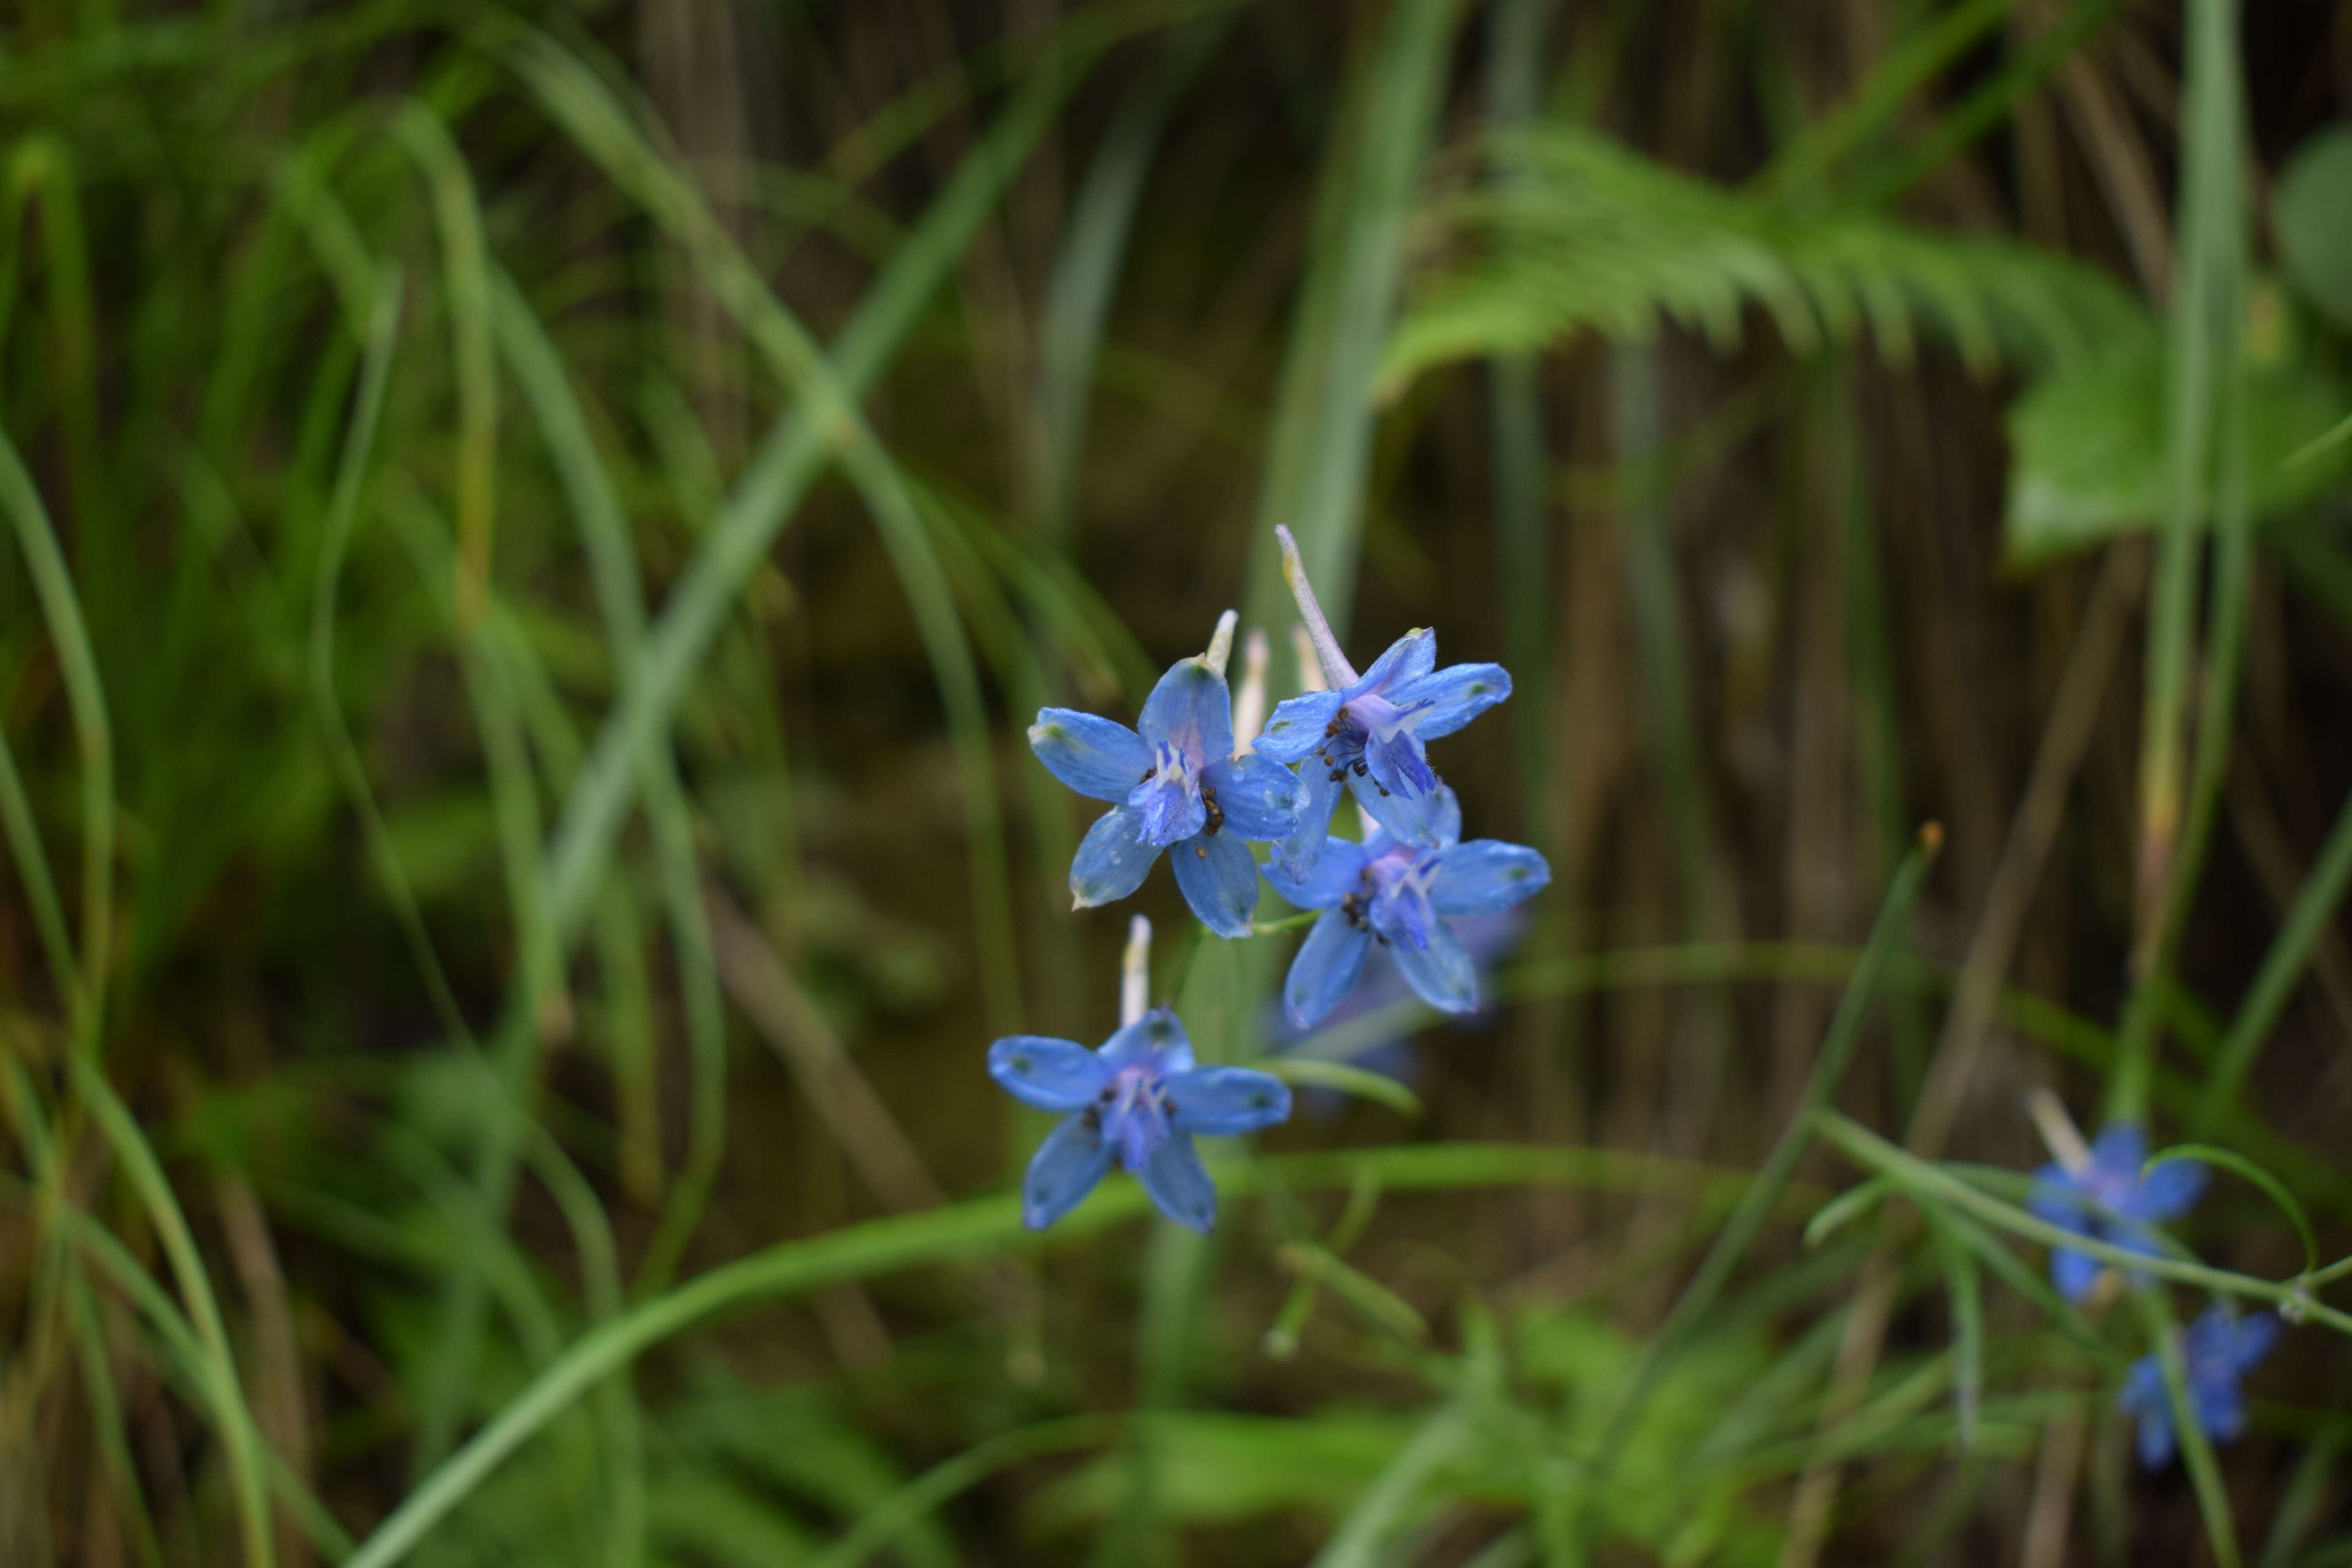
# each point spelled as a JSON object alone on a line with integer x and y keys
{"x": 437, "y": 438}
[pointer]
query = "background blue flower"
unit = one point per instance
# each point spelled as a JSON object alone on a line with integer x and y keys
{"x": 1400, "y": 894}
{"x": 1178, "y": 787}
{"x": 2216, "y": 1353}
{"x": 2107, "y": 1200}
{"x": 1138, "y": 1100}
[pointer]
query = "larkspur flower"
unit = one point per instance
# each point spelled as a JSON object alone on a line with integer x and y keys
{"x": 1138, "y": 1100}
{"x": 1177, "y": 786}
{"x": 1400, "y": 894}
{"x": 2216, "y": 1354}
{"x": 1367, "y": 733}
{"x": 2105, "y": 1198}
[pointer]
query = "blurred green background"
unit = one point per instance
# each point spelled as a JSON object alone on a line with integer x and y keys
{"x": 534, "y": 532}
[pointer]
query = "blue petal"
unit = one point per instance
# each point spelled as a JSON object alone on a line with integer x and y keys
{"x": 1224, "y": 1101}
{"x": 1170, "y": 808}
{"x": 1399, "y": 764}
{"x": 1445, "y": 817}
{"x": 1454, "y": 696}
{"x": 1050, "y": 1074}
{"x": 2121, "y": 1148}
{"x": 1090, "y": 755}
{"x": 1192, "y": 707}
{"x": 2170, "y": 1191}
{"x": 2155, "y": 1441}
{"x": 1219, "y": 879}
{"x": 1404, "y": 915}
{"x": 1443, "y": 973}
{"x": 2254, "y": 1335}
{"x": 2057, "y": 1197}
{"x": 1065, "y": 1169}
{"x": 1487, "y": 875}
{"x": 1258, "y": 795}
{"x": 1326, "y": 968}
{"x": 2143, "y": 1387}
{"x": 1408, "y": 818}
{"x": 1156, "y": 1041}
{"x": 1408, "y": 658}
{"x": 2220, "y": 1408}
{"x": 1318, "y": 791}
{"x": 1298, "y": 727}
{"x": 1338, "y": 874}
{"x": 1112, "y": 859}
{"x": 1180, "y": 1184}
{"x": 2142, "y": 1395}
{"x": 2074, "y": 1273}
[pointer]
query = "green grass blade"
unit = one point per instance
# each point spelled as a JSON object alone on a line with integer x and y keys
{"x": 2315, "y": 903}
{"x": 2196, "y": 1448}
{"x": 1697, "y": 1298}
{"x": 912, "y": 1503}
{"x": 796, "y": 450}
{"x": 33, "y": 871}
{"x": 1319, "y": 454}
{"x": 86, "y": 696}
{"x": 2205, "y": 416}
{"x": 2273, "y": 1188}
{"x": 1358, "y": 1541}
{"x": 226, "y": 1392}
{"x": 1093, "y": 247}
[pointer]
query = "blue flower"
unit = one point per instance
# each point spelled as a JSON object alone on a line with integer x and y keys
{"x": 1139, "y": 1100}
{"x": 2216, "y": 1353}
{"x": 1398, "y": 894}
{"x": 2107, "y": 1200}
{"x": 1368, "y": 735}
{"x": 1178, "y": 787}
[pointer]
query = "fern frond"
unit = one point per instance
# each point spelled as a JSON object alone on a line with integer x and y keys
{"x": 1590, "y": 235}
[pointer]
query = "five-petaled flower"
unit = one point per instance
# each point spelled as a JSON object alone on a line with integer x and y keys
{"x": 2107, "y": 1199}
{"x": 1139, "y": 1100}
{"x": 1400, "y": 894}
{"x": 2216, "y": 1354}
{"x": 1178, "y": 787}
{"x": 1368, "y": 735}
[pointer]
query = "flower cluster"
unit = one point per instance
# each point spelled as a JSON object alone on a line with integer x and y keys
{"x": 1187, "y": 781}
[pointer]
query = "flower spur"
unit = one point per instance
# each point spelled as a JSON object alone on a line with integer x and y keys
{"x": 1367, "y": 731}
{"x": 1138, "y": 1101}
{"x": 1176, "y": 784}
{"x": 1400, "y": 895}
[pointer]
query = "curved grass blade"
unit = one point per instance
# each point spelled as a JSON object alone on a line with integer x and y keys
{"x": 908, "y": 1506}
{"x": 86, "y": 696}
{"x": 226, "y": 1393}
{"x": 2271, "y": 1185}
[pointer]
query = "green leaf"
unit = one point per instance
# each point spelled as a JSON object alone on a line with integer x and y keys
{"x": 2313, "y": 209}
{"x": 2088, "y": 448}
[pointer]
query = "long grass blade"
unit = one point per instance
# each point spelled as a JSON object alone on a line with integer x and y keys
{"x": 86, "y": 696}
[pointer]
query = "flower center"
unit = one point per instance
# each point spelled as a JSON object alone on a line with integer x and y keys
{"x": 1400, "y": 882}
{"x": 1137, "y": 1119}
{"x": 1169, "y": 796}
{"x": 1381, "y": 719}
